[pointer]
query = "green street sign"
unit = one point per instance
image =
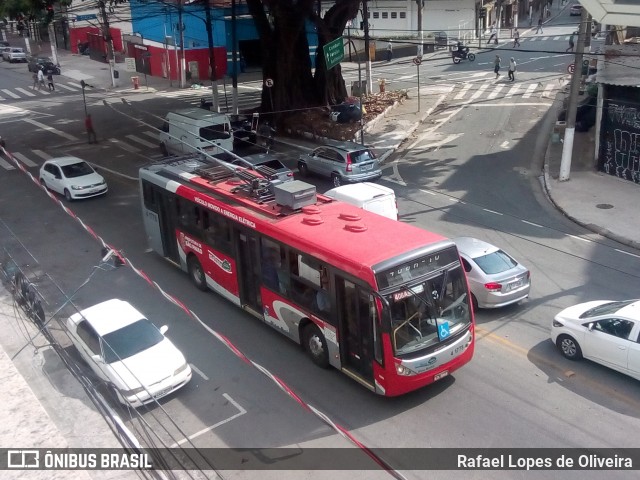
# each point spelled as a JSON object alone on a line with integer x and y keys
{"x": 333, "y": 52}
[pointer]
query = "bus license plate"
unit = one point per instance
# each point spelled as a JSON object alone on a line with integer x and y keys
{"x": 440, "y": 375}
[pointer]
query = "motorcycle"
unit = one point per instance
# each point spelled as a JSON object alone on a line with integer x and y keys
{"x": 463, "y": 54}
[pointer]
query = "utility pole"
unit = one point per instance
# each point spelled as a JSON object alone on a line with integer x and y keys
{"x": 234, "y": 49}
{"x": 182, "y": 66}
{"x": 572, "y": 107}
{"x": 106, "y": 34}
{"x": 212, "y": 58}
{"x": 367, "y": 56}
{"x": 420, "y": 4}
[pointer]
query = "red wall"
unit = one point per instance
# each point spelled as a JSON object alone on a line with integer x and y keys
{"x": 159, "y": 56}
{"x": 80, "y": 35}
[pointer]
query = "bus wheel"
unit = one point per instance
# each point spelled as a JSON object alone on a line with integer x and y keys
{"x": 197, "y": 274}
{"x": 316, "y": 345}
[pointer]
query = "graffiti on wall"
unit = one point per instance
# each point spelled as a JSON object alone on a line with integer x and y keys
{"x": 620, "y": 146}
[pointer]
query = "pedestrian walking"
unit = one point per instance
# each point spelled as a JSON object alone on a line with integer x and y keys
{"x": 512, "y": 69}
{"x": 496, "y": 66}
{"x": 516, "y": 37}
{"x": 40, "y": 79}
{"x": 571, "y": 43}
{"x": 35, "y": 79}
{"x": 51, "y": 86}
{"x": 493, "y": 33}
{"x": 539, "y": 29}
{"x": 389, "y": 52}
{"x": 91, "y": 134}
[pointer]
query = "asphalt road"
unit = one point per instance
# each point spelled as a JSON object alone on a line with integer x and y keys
{"x": 472, "y": 170}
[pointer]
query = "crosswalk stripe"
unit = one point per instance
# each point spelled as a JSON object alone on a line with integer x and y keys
{"x": 10, "y": 93}
{"x": 50, "y": 129}
{"x": 24, "y": 159}
{"x": 151, "y": 133}
{"x": 41, "y": 154}
{"x": 463, "y": 92}
{"x": 77, "y": 85}
{"x": 123, "y": 145}
{"x": 547, "y": 90}
{"x": 512, "y": 91}
{"x": 2, "y": 98}
{"x": 497, "y": 90}
{"x": 141, "y": 141}
{"x": 530, "y": 89}
{"x": 6, "y": 165}
{"x": 43, "y": 92}
{"x": 26, "y": 92}
{"x": 62, "y": 85}
{"x": 557, "y": 38}
{"x": 479, "y": 91}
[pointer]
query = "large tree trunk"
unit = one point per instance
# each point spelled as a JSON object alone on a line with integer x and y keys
{"x": 286, "y": 54}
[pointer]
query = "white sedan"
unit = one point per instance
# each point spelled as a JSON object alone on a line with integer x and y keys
{"x": 605, "y": 331}
{"x": 128, "y": 352}
{"x": 72, "y": 177}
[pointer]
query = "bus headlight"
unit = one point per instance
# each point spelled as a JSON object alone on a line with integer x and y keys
{"x": 404, "y": 371}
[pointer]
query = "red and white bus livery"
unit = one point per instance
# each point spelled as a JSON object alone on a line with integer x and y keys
{"x": 385, "y": 302}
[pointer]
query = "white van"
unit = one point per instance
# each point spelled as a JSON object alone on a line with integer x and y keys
{"x": 194, "y": 130}
{"x": 368, "y": 196}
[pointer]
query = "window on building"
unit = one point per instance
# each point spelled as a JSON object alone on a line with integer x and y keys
{"x": 385, "y": 15}
{"x": 403, "y": 14}
{"x": 376, "y": 14}
{"x": 394, "y": 15}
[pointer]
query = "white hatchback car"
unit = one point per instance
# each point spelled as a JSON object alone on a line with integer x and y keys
{"x": 72, "y": 177}
{"x": 605, "y": 331}
{"x": 128, "y": 352}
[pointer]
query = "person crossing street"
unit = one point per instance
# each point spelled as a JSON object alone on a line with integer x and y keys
{"x": 512, "y": 69}
{"x": 496, "y": 66}
{"x": 516, "y": 37}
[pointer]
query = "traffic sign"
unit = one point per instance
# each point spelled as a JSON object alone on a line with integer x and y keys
{"x": 417, "y": 60}
{"x": 90, "y": 16}
{"x": 268, "y": 82}
{"x": 571, "y": 68}
{"x": 333, "y": 52}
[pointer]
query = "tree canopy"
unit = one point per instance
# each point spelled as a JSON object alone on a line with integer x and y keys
{"x": 284, "y": 27}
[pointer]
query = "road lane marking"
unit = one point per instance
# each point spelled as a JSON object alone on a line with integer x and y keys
{"x": 6, "y": 165}
{"x": 492, "y": 211}
{"x": 41, "y": 154}
{"x": 141, "y": 141}
{"x": 62, "y": 85}
{"x": 627, "y": 253}
{"x": 10, "y": 93}
{"x": 50, "y": 129}
{"x": 530, "y": 89}
{"x": 123, "y": 145}
{"x": 26, "y": 92}
{"x": 198, "y": 371}
{"x": 24, "y": 159}
{"x": 512, "y": 91}
{"x": 479, "y": 92}
{"x": 496, "y": 91}
{"x": 241, "y": 411}
{"x": 531, "y": 223}
{"x": 463, "y": 92}
{"x": 579, "y": 238}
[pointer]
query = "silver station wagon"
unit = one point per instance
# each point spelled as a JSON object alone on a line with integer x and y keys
{"x": 342, "y": 162}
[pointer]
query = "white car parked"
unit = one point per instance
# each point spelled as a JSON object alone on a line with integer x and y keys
{"x": 605, "y": 331}
{"x": 128, "y": 352}
{"x": 14, "y": 54}
{"x": 72, "y": 177}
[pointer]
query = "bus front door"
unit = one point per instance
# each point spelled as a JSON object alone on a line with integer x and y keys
{"x": 166, "y": 214}
{"x": 249, "y": 270}
{"x": 356, "y": 328}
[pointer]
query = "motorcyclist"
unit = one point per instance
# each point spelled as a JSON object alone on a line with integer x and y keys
{"x": 462, "y": 50}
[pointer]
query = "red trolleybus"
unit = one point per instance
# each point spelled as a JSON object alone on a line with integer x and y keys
{"x": 382, "y": 301}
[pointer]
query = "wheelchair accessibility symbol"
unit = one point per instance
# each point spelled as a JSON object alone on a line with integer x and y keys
{"x": 443, "y": 330}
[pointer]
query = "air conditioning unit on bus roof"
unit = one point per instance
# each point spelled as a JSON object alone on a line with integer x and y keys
{"x": 294, "y": 195}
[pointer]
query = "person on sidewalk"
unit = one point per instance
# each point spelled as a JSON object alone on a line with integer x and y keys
{"x": 40, "y": 79}
{"x": 539, "y": 29}
{"x": 496, "y": 66}
{"x": 35, "y": 79}
{"x": 493, "y": 33}
{"x": 91, "y": 134}
{"x": 51, "y": 86}
{"x": 512, "y": 69}
{"x": 571, "y": 43}
{"x": 516, "y": 37}
{"x": 389, "y": 52}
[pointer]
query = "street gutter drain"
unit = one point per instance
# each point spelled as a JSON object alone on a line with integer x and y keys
{"x": 604, "y": 206}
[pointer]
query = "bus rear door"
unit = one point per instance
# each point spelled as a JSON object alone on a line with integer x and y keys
{"x": 249, "y": 270}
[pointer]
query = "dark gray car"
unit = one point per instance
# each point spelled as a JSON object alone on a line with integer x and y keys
{"x": 268, "y": 165}
{"x": 343, "y": 162}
